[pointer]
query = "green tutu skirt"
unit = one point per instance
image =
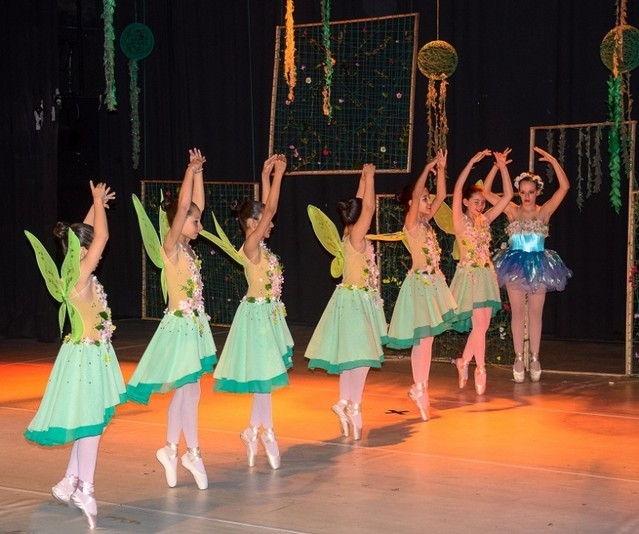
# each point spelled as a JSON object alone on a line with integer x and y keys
{"x": 474, "y": 287}
{"x": 350, "y": 333}
{"x": 425, "y": 307}
{"x": 180, "y": 352}
{"x": 258, "y": 350}
{"x": 84, "y": 388}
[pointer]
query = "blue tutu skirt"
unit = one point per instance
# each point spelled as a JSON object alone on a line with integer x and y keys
{"x": 529, "y": 271}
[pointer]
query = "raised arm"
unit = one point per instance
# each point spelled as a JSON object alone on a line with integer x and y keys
{"x": 418, "y": 190}
{"x": 198, "y": 197}
{"x": 101, "y": 195}
{"x": 183, "y": 205}
{"x": 90, "y": 216}
{"x": 491, "y": 197}
{"x": 501, "y": 160}
{"x": 549, "y": 207}
{"x": 440, "y": 191}
{"x": 267, "y": 169}
{"x": 253, "y": 239}
{"x": 458, "y": 190}
{"x": 366, "y": 188}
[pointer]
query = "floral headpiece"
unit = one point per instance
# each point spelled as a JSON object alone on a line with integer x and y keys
{"x": 529, "y": 177}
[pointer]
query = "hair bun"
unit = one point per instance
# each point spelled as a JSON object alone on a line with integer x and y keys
{"x": 61, "y": 229}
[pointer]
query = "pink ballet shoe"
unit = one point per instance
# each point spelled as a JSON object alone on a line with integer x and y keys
{"x": 419, "y": 395}
{"x": 462, "y": 372}
{"x": 167, "y": 456}
{"x": 249, "y": 437}
{"x": 535, "y": 367}
{"x": 270, "y": 447}
{"x": 192, "y": 461}
{"x": 519, "y": 370}
{"x": 338, "y": 410}
{"x": 63, "y": 490}
{"x": 480, "y": 380}
{"x": 354, "y": 417}
{"x": 83, "y": 498}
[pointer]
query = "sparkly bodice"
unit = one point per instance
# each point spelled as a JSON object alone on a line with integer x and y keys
{"x": 527, "y": 234}
{"x": 184, "y": 283}
{"x": 95, "y": 314}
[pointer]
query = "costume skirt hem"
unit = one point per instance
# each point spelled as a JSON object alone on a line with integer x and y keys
{"x": 141, "y": 392}
{"x": 463, "y": 321}
{"x": 336, "y": 369}
{"x": 420, "y": 333}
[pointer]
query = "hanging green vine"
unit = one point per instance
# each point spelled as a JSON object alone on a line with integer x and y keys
{"x": 329, "y": 61}
{"x": 614, "y": 140}
{"x": 550, "y": 148}
{"x": 135, "y": 114}
{"x": 579, "y": 180}
{"x": 596, "y": 161}
{"x": 109, "y": 55}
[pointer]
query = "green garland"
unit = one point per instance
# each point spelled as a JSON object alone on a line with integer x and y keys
{"x": 109, "y": 55}
{"x": 135, "y": 115}
{"x": 614, "y": 140}
{"x": 328, "y": 66}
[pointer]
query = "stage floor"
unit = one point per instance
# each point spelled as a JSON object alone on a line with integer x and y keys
{"x": 556, "y": 456}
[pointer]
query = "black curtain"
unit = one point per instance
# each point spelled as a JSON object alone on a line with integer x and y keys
{"x": 208, "y": 83}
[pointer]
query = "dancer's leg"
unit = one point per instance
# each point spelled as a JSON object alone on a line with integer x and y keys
{"x": 174, "y": 423}
{"x": 517, "y": 300}
{"x": 535, "y": 318}
{"x": 420, "y": 360}
{"x": 481, "y": 321}
{"x": 189, "y": 413}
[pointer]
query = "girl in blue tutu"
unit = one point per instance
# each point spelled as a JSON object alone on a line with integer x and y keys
{"x": 526, "y": 268}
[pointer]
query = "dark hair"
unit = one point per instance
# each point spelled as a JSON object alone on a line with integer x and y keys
{"x": 470, "y": 190}
{"x": 170, "y": 207}
{"x": 84, "y": 232}
{"x": 349, "y": 210}
{"x": 249, "y": 209}
{"x": 404, "y": 197}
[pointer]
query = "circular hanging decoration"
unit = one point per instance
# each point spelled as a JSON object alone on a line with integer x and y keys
{"x": 629, "y": 59}
{"x": 137, "y": 41}
{"x": 437, "y": 60}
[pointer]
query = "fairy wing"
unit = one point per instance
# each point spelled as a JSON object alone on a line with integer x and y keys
{"x": 59, "y": 286}
{"x": 151, "y": 241}
{"x": 70, "y": 274}
{"x": 394, "y": 236}
{"x": 222, "y": 241}
{"x": 329, "y": 238}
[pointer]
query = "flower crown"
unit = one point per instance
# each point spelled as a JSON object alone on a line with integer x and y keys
{"x": 529, "y": 177}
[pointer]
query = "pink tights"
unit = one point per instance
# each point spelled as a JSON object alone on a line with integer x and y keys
{"x": 262, "y": 411}
{"x": 518, "y": 321}
{"x": 420, "y": 358}
{"x": 351, "y": 389}
{"x": 476, "y": 343}
{"x": 183, "y": 415}
{"x": 83, "y": 458}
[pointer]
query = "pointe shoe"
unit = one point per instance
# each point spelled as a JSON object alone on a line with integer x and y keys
{"x": 167, "y": 456}
{"x": 63, "y": 490}
{"x": 249, "y": 437}
{"x": 338, "y": 410}
{"x": 535, "y": 367}
{"x": 480, "y": 380}
{"x": 190, "y": 461}
{"x": 270, "y": 447}
{"x": 519, "y": 370}
{"x": 352, "y": 412}
{"x": 416, "y": 394}
{"x": 83, "y": 498}
{"x": 462, "y": 372}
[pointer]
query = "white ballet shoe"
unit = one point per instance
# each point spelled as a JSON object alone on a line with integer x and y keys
{"x": 418, "y": 393}
{"x": 167, "y": 456}
{"x": 352, "y": 411}
{"x": 535, "y": 367}
{"x": 63, "y": 490}
{"x": 270, "y": 447}
{"x": 519, "y": 369}
{"x": 249, "y": 437}
{"x": 190, "y": 463}
{"x": 338, "y": 410}
{"x": 84, "y": 499}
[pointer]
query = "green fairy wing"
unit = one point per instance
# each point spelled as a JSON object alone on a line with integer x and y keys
{"x": 57, "y": 286}
{"x": 222, "y": 241}
{"x": 151, "y": 241}
{"x": 329, "y": 238}
{"x": 444, "y": 219}
{"x": 394, "y": 236}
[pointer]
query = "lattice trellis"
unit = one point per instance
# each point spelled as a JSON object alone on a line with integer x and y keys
{"x": 394, "y": 261}
{"x": 372, "y": 95}
{"x": 224, "y": 282}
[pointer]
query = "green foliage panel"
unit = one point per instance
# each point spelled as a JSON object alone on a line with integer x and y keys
{"x": 224, "y": 282}
{"x": 395, "y": 261}
{"x": 371, "y": 97}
